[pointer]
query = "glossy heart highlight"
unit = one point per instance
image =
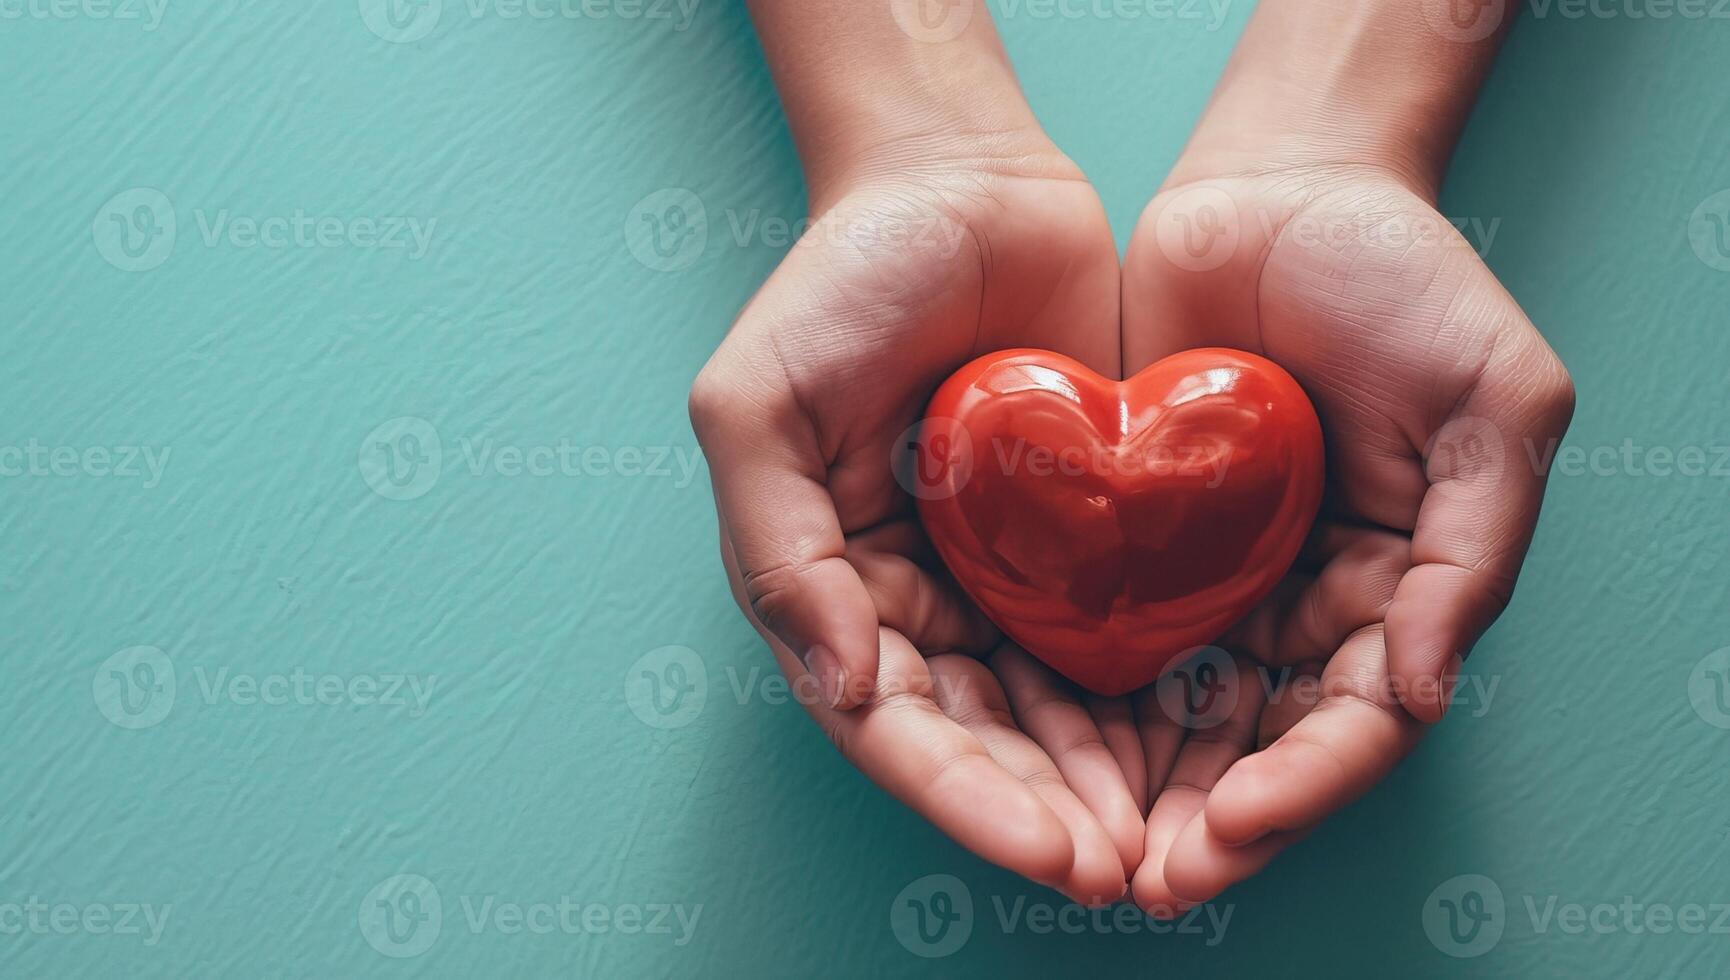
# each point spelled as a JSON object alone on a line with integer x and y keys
{"x": 1109, "y": 527}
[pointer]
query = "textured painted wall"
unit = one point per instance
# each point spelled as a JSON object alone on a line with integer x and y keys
{"x": 347, "y": 476}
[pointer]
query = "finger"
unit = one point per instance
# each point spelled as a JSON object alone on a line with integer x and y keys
{"x": 967, "y": 691}
{"x": 1347, "y": 578}
{"x": 1161, "y": 736}
{"x": 1477, "y": 516}
{"x": 1050, "y": 710}
{"x": 1116, "y": 720}
{"x": 1206, "y": 755}
{"x": 905, "y": 743}
{"x": 919, "y": 601}
{"x": 1353, "y": 590}
{"x": 1172, "y": 811}
{"x": 786, "y": 541}
{"x": 808, "y": 687}
{"x": 1296, "y": 691}
{"x": 1257, "y": 634}
{"x": 1200, "y": 865}
{"x": 1354, "y": 735}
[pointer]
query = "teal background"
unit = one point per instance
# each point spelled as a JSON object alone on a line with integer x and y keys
{"x": 1596, "y": 773}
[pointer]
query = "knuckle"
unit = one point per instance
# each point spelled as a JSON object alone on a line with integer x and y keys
{"x": 772, "y": 590}
{"x": 709, "y": 401}
{"x": 834, "y": 726}
{"x": 1561, "y": 394}
{"x": 1554, "y": 390}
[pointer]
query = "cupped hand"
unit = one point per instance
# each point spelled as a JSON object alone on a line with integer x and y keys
{"x": 801, "y": 413}
{"x": 1434, "y": 390}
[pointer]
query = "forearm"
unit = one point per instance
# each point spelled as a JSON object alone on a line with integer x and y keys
{"x": 1383, "y": 83}
{"x": 869, "y": 87}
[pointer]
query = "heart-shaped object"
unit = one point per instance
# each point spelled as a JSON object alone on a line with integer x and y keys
{"x": 1110, "y": 527}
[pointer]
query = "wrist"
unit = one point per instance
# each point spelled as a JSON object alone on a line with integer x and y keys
{"x": 1374, "y": 85}
{"x": 881, "y": 90}
{"x": 958, "y": 155}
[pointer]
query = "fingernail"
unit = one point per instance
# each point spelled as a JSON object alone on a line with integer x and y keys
{"x": 831, "y": 679}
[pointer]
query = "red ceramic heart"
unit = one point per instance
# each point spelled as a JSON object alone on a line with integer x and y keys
{"x": 1109, "y": 527}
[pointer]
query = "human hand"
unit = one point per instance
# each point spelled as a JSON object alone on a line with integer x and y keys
{"x": 996, "y": 243}
{"x": 1300, "y": 223}
{"x": 1429, "y": 382}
